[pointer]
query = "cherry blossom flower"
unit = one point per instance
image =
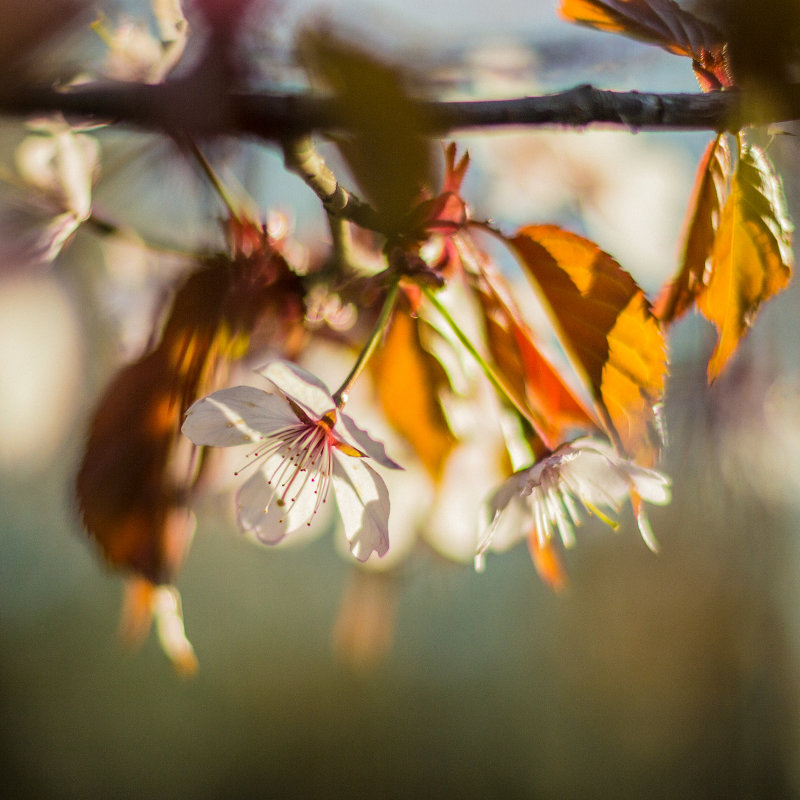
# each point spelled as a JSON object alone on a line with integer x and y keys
{"x": 51, "y": 197}
{"x": 303, "y": 445}
{"x": 546, "y": 496}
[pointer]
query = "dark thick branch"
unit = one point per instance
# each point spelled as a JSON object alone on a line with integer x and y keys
{"x": 191, "y": 106}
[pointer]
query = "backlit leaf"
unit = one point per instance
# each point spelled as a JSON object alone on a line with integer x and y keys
{"x": 708, "y": 198}
{"x": 751, "y": 259}
{"x": 408, "y": 380}
{"x": 660, "y": 22}
{"x": 136, "y": 475}
{"x": 531, "y": 378}
{"x": 606, "y": 326}
{"x": 547, "y": 561}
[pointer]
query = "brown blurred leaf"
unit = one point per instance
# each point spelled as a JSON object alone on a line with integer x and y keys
{"x": 764, "y": 45}
{"x": 705, "y": 207}
{"x": 388, "y": 157}
{"x": 606, "y": 325}
{"x": 27, "y": 24}
{"x": 409, "y": 380}
{"x": 751, "y": 259}
{"x": 660, "y": 22}
{"x": 134, "y": 482}
{"x": 534, "y": 382}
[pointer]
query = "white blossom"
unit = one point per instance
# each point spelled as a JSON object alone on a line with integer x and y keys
{"x": 303, "y": 445}
{"x": 548, "y": 495}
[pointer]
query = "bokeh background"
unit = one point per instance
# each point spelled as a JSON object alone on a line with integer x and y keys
{"x": 674, "y": 675}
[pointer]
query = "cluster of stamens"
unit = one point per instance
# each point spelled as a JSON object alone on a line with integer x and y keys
{"x": 306, "y": 457}
{"x": 550, "y": 501}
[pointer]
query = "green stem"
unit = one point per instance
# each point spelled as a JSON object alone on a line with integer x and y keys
{"x": 496, "y": 381}
{"x": 340, "y": 395}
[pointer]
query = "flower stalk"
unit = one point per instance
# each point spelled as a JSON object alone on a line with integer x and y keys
{"x": 214, "y": 179}
{"x": 497, "y": 382}
{"x": 341, "y": 394}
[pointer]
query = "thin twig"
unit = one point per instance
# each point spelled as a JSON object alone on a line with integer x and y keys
{"x": 302, "y": 158}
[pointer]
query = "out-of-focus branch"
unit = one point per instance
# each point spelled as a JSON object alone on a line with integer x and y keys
{"x": 191, "y": 105}
{"x": 302, "y": 158}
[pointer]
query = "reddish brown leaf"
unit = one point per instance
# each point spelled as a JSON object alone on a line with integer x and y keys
{"x": 409, "y": 380}
{"x": 606, "y": 325}
{"x": 27, "y": 25}
{"x": 660, "y": 22}
{"x": 533, "y": 381}
{"x": 705, "y": 207}
{"x": 134, "y": 481}
{"x": 751, "y": 259}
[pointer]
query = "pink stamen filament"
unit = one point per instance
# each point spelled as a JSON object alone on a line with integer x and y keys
{"x": 305, "y": 449}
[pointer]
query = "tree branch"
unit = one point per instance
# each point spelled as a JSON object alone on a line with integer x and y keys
{"x": 191, "y": 105}
{"x": 301, "y": 158}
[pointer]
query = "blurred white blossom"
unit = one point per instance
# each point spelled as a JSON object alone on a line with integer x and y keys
{"x": 547, "y": 496}
{"x": 51, "y": 195}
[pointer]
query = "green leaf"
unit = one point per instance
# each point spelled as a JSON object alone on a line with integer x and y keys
{"x": 386, "y": 154}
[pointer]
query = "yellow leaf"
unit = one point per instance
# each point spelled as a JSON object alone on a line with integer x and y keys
{"x": 660, "y": 22}
{"x": 710, "y": 191}
{"x": 408, "y": 381}
{"x": 535, "y": 384}
{"x": 751, "y": 259}
{"x": 606, "y": 326}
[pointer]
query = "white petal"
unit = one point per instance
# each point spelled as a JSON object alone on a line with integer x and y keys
{"x": 595, "y": 479}
{"x": 238, "y": 415}
{"x": 171, "y": 633}
{"x": 508, "y": 525}
{"x": 366, "y": 444}
{"x": 646, "y": 530}
{"x": 300, "y": 385}
{"x": 363, "y": 502}
{"x": 258, "y": 511}
{"x": 452, "y": 524}
{"x": 512, "y": 487}
{"x": 651, "y": 485}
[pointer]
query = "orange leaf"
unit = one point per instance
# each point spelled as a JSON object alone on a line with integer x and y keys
{"x": 408, "y": 381}
{"x": 607, "y": 327}
{"x": 525, "y": 371}
{"x": 708, "y": 198}
{"x": 660, "y": 22}
{"x": 547, "y": 561}
{"x": 751, "y": 259}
